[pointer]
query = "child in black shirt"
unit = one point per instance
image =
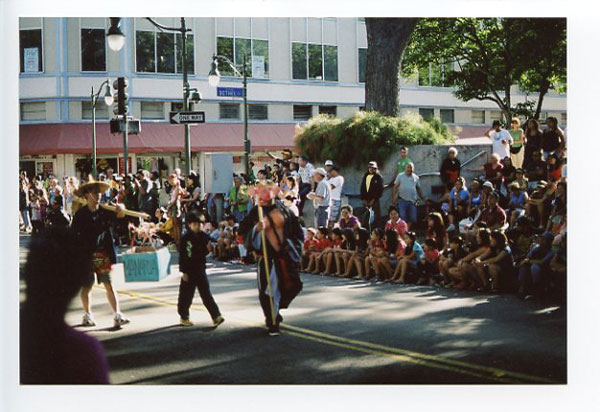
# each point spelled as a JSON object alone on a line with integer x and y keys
{"x": 192, "y": 262}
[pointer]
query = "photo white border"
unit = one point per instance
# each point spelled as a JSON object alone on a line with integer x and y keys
{"x": 581, "y": 392}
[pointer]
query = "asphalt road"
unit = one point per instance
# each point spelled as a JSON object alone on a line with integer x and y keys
{"x": 337, "y": 331}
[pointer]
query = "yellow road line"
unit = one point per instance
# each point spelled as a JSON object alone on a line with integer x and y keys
{"x": 493, "y": 371}
{"x": 403, "y": 355}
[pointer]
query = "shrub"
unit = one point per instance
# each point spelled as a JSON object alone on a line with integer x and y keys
{"x": 366, "y": 136}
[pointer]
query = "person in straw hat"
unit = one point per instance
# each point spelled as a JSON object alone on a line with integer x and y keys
{"x": 93, "y": 225}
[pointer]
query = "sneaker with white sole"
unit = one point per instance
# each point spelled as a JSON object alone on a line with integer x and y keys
{"x": 218, "y": 320}
{"x": 120, "y": 320}
{"x": 88, "y": 320}
{"x": 185, "y": 322}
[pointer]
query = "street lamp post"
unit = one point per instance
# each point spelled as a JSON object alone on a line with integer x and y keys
{"x": 186, "y": 86}
{"x": 108, "y": 100}
{"x": 213, "y": 79}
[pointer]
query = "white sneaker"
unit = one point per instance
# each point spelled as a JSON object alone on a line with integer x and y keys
{"x": 120, "y": 320}
{"x": 88, "y": 320}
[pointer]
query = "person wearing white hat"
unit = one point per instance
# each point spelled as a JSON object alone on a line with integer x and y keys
{"x": 321, "y": 197}
{"x": 328, "y": 165}
{"x": 92, "y": 227}
{"x": 371, "y": 190}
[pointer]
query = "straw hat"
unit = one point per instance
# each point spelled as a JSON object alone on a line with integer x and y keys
{"x": 90, "y": 185}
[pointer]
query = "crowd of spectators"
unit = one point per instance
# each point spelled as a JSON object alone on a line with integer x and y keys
{"x": 504, "y": 231}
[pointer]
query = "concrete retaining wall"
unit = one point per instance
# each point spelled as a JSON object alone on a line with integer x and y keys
{"x": 427, "y": 160}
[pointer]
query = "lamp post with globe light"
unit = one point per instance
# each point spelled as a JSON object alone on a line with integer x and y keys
{"x": 108, "y": 100}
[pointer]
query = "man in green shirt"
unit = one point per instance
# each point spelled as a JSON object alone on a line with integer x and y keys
{"x": 238, "y": 198}
{"x": 404, "y": 159}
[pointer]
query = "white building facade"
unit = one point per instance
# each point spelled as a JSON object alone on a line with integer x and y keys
{"x": 300, "y": 67}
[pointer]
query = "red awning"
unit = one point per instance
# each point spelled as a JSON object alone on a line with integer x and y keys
{"x": 63, "y": 138}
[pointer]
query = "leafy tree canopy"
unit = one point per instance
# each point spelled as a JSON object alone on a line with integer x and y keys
{"x": 491, "y": 55}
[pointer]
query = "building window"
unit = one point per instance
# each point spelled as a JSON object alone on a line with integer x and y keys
{"x": 255, "y": 50}
{"x": 177, "y": 107}
{"x": 101, "y": 110}
{"x": 362, "y": 65}
{"x": 447, "y": 115}
{"x": 93, "y": 50}
{"x": 258, "y": 112}
{"x": 426, "y": 113}
{"x": 495, "y": 115}
{"x": 33, "y": 111}
{"x": 153, "y": 110}
{"x": 543, "y": 117}
{"x": 478, "y": 116}
{"x": 328, "y": 110}
{"x": 563, "y": 119}
{"x": 302, "y": 112}
{"x": 160, "y": 52}
{"x": 30, "y": 46}
{"x": 435, "y": 75}
{"x": 229, "y": 111}
{"x": 319, "y": 61}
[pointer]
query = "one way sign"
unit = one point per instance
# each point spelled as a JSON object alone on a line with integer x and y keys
{"x": 186, "y": 117}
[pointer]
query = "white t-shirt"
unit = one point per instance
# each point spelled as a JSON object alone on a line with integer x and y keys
{"x": 338, "y": 182}
{"x": 503, "y": 150}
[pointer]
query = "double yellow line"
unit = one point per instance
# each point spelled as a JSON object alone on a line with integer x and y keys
{"x": 484, "y": 373}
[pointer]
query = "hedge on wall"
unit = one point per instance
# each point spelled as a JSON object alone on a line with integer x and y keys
{"x": 366, "y": 136}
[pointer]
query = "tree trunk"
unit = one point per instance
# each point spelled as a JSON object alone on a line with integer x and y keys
{"x": 538, "y": 109}
{"x": 386, "y": 39}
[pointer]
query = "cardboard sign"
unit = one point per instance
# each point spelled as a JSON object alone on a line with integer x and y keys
{"x": 146, "y": 264}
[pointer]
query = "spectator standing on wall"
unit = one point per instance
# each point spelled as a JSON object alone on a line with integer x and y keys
{"x": 371, "y": 190}
{"x": 450, "y": 169}
{"x": 553, "y": 138}
{"x": 305, "y": 172}
{"x": 321, "y": 198}
{"x": 519, "y": 139}
{"x": 501, "y": 140}
{"x": 336, "y": 183}
{"x": 407, "y": 190}
{"x": 533, "y": 141}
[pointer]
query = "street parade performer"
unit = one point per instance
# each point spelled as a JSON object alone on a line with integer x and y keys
{"x": 274, "y": 234}
{"x": 93, "y": 226}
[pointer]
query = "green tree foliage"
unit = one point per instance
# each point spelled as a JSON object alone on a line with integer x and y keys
{"x": 491, "y": 55}
{"x": 366, "y": 136}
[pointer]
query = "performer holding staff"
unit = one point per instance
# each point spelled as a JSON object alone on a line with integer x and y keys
{"x": 93, "y": 226}
{"x": 273, "y": 232}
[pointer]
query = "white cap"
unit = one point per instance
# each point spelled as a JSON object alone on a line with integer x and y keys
{"x": 488, "y": 184}
{"x": 373, "y": 165}
{"x": 328, "y": 163}
{"x": 321, "y": 171}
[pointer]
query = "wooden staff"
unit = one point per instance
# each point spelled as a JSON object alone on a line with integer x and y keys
{"x": 112, "y": 208}
{"x": 266, "y": 259}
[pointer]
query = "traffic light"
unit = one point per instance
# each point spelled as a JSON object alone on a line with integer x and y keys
{"x": 121, "y": 97}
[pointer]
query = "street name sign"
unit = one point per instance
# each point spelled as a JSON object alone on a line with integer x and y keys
{"x": 186, "y": 117}
{"x": 230, "y": 92}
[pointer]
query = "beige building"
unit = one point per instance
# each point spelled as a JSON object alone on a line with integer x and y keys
{"x": 300, "y": 67}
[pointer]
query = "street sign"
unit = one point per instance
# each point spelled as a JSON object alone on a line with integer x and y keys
{"x": 186, "y": 117}
{"x": 230, "y": 92}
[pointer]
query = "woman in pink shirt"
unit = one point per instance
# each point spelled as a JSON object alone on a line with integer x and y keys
{"x": 396, "y": 223}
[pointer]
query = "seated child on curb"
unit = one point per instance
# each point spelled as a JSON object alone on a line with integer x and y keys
{"x": 310, "y": 246}
{"x": 322, "y": 244}
{"x": 192, "y": 262}
{"x": 342, "y": 255}
{"x": 356, "y": 260}
{"x": 330, "y": 252}
{"x": 412, "y": 255}
{"x": 428, "y": 266}
{"x": 376, "y": 251}
{"x": 455, "y": 253}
